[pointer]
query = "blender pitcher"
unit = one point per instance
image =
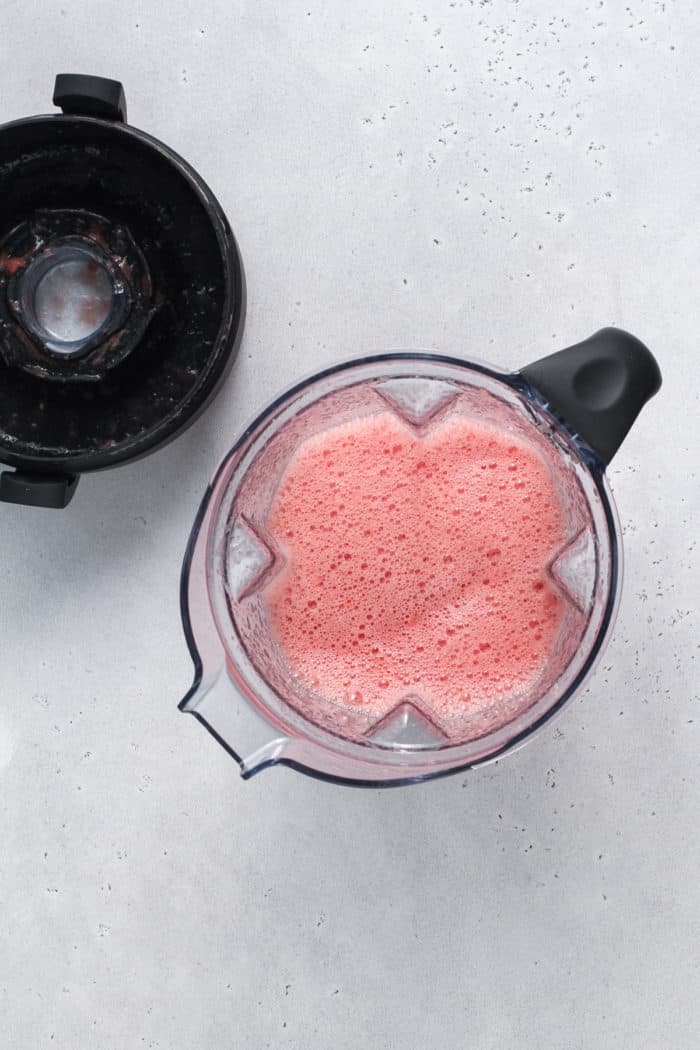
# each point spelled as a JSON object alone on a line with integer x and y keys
{"x": 572, "y": 409}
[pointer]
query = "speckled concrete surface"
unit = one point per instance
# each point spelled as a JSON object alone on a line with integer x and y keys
{"x": 496, "y": 179}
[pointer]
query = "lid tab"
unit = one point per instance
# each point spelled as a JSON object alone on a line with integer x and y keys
{"x": 53, "y": 491}
{"x": 90, "y": 96}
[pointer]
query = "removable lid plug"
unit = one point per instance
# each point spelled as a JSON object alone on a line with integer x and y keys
{"x": 76, "y": 295}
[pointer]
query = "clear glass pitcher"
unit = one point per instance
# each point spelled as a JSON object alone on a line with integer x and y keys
{"x": 573, "y": 408}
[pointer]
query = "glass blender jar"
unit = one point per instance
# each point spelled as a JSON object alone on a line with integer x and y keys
{"x": 573, "y": 408}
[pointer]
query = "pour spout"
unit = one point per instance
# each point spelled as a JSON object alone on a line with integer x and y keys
{"x": 217, "y": 703}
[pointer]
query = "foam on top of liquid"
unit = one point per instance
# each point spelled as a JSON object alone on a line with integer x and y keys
{"x": 416, "y": 564}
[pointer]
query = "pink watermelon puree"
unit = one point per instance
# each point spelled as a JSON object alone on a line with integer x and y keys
{"x": 416, "y": 564}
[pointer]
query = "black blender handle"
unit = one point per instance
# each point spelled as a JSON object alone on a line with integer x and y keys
{"x": 88, "y": 96}
{"x": 598, "y": 387}
{"x": 53, "y": 491}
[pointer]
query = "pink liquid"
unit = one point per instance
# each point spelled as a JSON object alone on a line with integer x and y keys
{"x": 416, "y": 565}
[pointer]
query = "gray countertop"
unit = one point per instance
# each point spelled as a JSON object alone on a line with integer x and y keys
{"x": 493, "y": 179}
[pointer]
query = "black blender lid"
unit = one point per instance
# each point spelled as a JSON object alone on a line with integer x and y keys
{"x": 122, "y": 294}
